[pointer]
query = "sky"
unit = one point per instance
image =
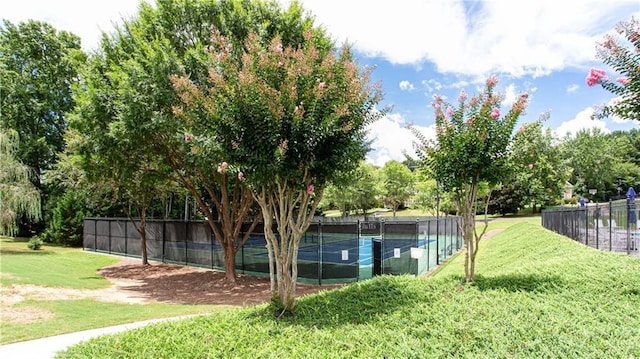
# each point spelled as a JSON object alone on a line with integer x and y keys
{"x": 422, "y": 48}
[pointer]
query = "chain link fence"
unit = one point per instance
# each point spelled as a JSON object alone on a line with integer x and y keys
{"x": 333, "y": 251}
{"x": 608, "y": 226}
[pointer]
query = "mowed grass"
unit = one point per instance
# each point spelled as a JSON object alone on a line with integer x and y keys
{"x": 537, "y": 294}
{"x": 51, "y": 266}
{"x": 67, "y": 268}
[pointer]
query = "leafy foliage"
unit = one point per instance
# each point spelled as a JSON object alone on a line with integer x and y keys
{"x": 537, "y": 166}
{"x": 358, "y": 192}
{"x": 591, "y": 155}
{"x": 18, "y": 196}
{"x": 622, "y": 53}
{"x": 39, "y": 65}
{"x": 398, "y": 183}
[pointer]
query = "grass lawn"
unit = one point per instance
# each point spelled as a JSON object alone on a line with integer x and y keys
{"x": 55, "y": 266}
{"x": 537, "y": 294}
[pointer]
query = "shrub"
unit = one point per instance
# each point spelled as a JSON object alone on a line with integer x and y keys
{"x": 35, "y": 243}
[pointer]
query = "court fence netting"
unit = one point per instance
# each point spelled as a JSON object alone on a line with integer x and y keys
{"x": 331, "y": 251}
{"x": 608, "y": 226}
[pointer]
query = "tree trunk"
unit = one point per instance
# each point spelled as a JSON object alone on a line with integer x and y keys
{"x": 143, "y": 240}
{"x": 293, "y": 213}
{"x": 229, "y": 263}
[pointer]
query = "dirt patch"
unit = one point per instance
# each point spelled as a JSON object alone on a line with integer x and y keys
{"x": 134, "y": 283}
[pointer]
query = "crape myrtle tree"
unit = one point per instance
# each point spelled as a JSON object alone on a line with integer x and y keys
{"x": 622, "y": 54}
{"x": 291, "y": 117}
{"x": 471, "y": 147}
{"x": 18, "y": 196}
{"x": 129, "y": 86}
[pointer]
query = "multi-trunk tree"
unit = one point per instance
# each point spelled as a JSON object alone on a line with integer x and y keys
{"x": 130, "y": 93}
{"x": 471, "y": 148}
{"x": 290, "y": 117}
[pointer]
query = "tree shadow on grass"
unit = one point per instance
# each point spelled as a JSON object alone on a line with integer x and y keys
{"x": 360, "y": 302}
{"x": 517, "y": 282}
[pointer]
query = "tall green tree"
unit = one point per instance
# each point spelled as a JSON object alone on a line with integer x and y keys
{"x": 398, "y": 183}
{"x": 537, "y": 166}
{"x": 591, "y": 154}
{"x": 621, "y": 54}
{"x": 291, "y": 118}
{"x": 18, "y": 196}
{"x": 38, "y": 66}
{"x": 471, "y": 148}
{"x": 131, "y": 91}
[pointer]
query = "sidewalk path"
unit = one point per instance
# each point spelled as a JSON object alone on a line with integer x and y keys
{"x": 45, "y": 348}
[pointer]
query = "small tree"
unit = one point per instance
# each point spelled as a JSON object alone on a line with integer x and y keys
{"x": 622, "y": 54}
{"x": 18, "y": 196}
{"x": 472, "y": 147}
{"x": 293, "y": 118}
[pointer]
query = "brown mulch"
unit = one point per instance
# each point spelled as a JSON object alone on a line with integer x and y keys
{"x": 172, "y": 283}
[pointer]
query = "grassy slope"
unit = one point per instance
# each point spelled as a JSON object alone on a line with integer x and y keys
{"x": 537, "y": 295}
{"x": 72, "y": 268}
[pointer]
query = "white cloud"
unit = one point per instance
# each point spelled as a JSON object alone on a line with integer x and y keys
{"x": 391, "y": 138}
{"x": 431, "y": 85}
{"x": 572, "y": 88}
{"x": 583, "y": 120}
{"x": 86, "y": 19}
{"x": 473, "y": 37}
{"x": 510, "y": 95}
{"x": 406, "y": 86}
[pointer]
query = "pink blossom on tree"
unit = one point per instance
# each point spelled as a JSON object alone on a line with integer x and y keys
{"x": 463, "y": 96}
{"x": 595, "y": 75}
{"x": 624, "y": 81}
{"x": 495, "y": 113}
{"x": 449, "y": 111}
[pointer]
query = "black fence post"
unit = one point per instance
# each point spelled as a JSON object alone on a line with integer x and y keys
{"x": 437, "y": 241}
{"x": 126, "y": 239}
{"x": 95, "y": 235}
{"x": 109, "y": 235}
{"x": 319, "y": 249}
{"x": 186, "y": 235}
{"x": 610, "y": 223}
{"x": 164, "y": 236}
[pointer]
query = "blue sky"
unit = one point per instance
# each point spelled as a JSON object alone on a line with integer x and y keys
{"x": 421, "y": 48}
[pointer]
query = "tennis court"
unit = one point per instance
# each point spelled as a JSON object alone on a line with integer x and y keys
{"x": 328, "y": 252}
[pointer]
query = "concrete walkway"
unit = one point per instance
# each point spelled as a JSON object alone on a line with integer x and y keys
{"x": 45, "y": 348}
